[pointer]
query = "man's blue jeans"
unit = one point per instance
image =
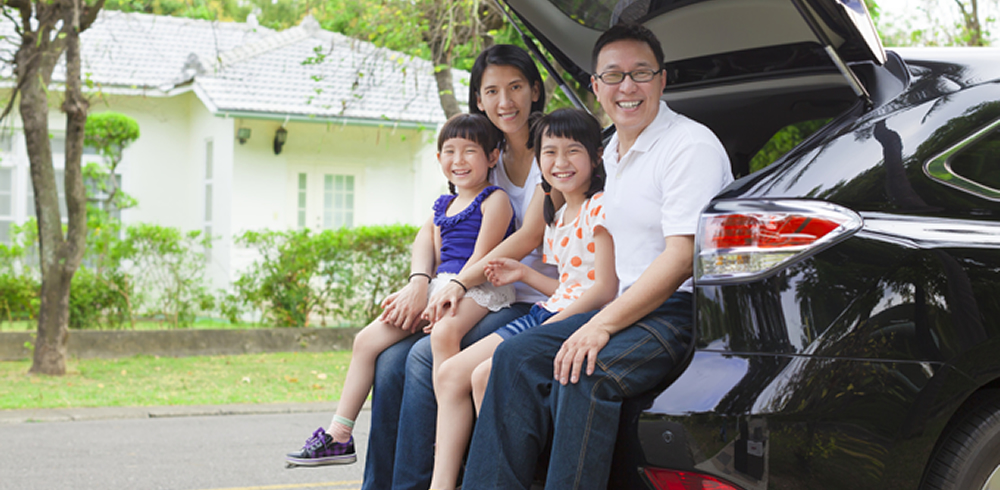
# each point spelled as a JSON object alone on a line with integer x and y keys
{"x": 404, "y": 410}
{"x": 524, "y": 403}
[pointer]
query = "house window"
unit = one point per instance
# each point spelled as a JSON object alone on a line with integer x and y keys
{"x": 338, "y": 201}
{"x": 302, "y": 201}
{"x": 94, "y": 191}
{"x": 57, "y": 144}
{"x": 209, "y": 171}
{"x": 6, "y": 203}
{"x": 6, "y": 142}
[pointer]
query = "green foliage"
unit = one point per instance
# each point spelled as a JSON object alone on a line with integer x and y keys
{"x": 19, "y": 287}
{"x": 223, "y": 10}
{"x": 14, "y": 256}
{"x": 19, "y": 297}
{"x": 110, "y": 132}
{"x": 168, "y": 268}
{"x": 783, "y": 141}
{"x": 99, "y": 299}
{"x": 955, "y": 23}
{"x": 340, "y": 274}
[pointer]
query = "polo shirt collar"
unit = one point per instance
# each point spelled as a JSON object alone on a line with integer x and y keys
{"x": 649, "y": 136}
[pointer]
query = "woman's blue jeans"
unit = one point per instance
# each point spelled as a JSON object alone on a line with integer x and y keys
{"x": 404, "y": 410}
{"x": 524, "y": 403}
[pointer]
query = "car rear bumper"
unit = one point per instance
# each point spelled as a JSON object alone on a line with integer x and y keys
{"x": 816, "y": 422}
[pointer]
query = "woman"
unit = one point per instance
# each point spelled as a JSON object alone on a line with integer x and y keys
{"x": 506, "y": 86}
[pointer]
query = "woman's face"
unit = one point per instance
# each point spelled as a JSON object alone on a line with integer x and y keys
{"x": 505, "y": 95}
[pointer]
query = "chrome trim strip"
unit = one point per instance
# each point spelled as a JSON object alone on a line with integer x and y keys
{"x": 929, "y": 233}
{"x": 939, "y": 168}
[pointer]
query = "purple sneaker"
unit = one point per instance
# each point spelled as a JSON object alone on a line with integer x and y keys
{"x": 321, "y": 450}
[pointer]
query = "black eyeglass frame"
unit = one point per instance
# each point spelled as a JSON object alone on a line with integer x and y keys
{"x": 629, "y": 74}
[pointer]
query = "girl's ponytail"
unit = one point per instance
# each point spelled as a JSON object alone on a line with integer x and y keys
{"x": 548, "y": 209}
{"x": 537, "y": 123}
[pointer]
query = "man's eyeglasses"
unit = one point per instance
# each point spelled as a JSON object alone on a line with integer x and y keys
{"x": 616, "y": 77}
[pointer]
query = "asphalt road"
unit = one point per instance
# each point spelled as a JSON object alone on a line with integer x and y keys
{"x": 183, "y": 451}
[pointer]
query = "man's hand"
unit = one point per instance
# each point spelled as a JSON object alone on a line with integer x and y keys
{"x": 504, "y": 271}
{"x": 403, "y": 308}
{"x": 582, "y": 346}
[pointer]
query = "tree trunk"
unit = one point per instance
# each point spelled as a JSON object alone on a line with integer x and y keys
{"x": 59, "y": 255}
{"x": 970, "y": 20}
{"x": 442, "y": 75}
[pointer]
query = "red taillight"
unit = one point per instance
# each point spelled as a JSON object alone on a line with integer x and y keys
{"x": 683, "y": 480}
{"x": 745, "y": 239}
{"x": 738, "y": 230}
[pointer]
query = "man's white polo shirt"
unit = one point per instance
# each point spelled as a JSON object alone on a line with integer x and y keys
{"x": 658, "y": 189}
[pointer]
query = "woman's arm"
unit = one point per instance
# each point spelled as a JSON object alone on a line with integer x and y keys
{"x": 503, "y": 271}
{"x": 403, "y": 308}
{"x": 516, "y": 246}
{"x": 659, "y": 281}
{"x": 605, "y": 285}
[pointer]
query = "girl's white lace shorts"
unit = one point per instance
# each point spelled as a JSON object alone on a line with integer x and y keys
{"x": 486, "y": 295}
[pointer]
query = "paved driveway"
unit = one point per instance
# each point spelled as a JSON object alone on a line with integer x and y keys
{"x": 178, "y": 452}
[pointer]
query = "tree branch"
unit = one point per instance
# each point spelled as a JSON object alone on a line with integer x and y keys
{"x": 90, "y": 15}
{"x": 13, "y": 97}
{"x": 17, "y": 26}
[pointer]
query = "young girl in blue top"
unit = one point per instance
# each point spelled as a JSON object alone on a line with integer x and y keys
{"x": 567, "y": 148}
{"x": 466, "y": 225}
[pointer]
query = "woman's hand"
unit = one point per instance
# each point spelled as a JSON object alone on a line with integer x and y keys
{"x": 443, "y": 302}
{"x": 582, "y": 346}
{"x": 503, "y": 271}
{"x": 403, "y": 308}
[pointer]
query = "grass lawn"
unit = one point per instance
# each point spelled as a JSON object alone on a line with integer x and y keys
{"x": 205, "y": 380}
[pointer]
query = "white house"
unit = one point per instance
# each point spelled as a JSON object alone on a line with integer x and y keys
{"x": 212, "y": 98}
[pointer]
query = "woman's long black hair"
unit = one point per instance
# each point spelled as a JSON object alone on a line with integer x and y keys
{"x": 577, "y": 125}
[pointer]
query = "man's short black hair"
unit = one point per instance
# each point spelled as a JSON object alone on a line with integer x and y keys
{"x": 629, "y": 32}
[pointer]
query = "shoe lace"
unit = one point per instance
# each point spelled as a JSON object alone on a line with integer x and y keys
{"x": 317, "y": 440}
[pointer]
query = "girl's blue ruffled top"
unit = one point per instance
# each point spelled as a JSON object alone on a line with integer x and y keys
{"x": 459, "y": 232}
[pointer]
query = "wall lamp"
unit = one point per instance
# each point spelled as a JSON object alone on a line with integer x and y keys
{"x": 243, "y": 134}
{"x": 280, "y": 136}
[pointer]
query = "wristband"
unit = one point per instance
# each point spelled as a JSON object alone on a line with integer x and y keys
{"x": 456, "y": 281}
{"x": 428, "y": 276}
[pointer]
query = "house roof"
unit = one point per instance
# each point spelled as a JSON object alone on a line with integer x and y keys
{"x": 248, "y": 70}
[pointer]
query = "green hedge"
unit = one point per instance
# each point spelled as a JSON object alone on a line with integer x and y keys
{"x": 155, "y": 272}
{"x": 339, "y": 275}
{"x": 19, "y": 297}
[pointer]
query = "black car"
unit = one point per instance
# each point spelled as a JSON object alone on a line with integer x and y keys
{"x": 847, "y": 303}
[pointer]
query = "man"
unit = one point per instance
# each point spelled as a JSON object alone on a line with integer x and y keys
{"x": 570, "y": 377}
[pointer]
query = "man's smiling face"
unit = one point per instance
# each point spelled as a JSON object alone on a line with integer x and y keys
{"x": 630, "y": 105}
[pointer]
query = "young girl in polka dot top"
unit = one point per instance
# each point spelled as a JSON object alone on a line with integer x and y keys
{"x": 567, "y": 148}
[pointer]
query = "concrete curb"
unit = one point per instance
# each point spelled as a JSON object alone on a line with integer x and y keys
{"x": 83, "y": 344}
{"x": 105, "y": 413}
